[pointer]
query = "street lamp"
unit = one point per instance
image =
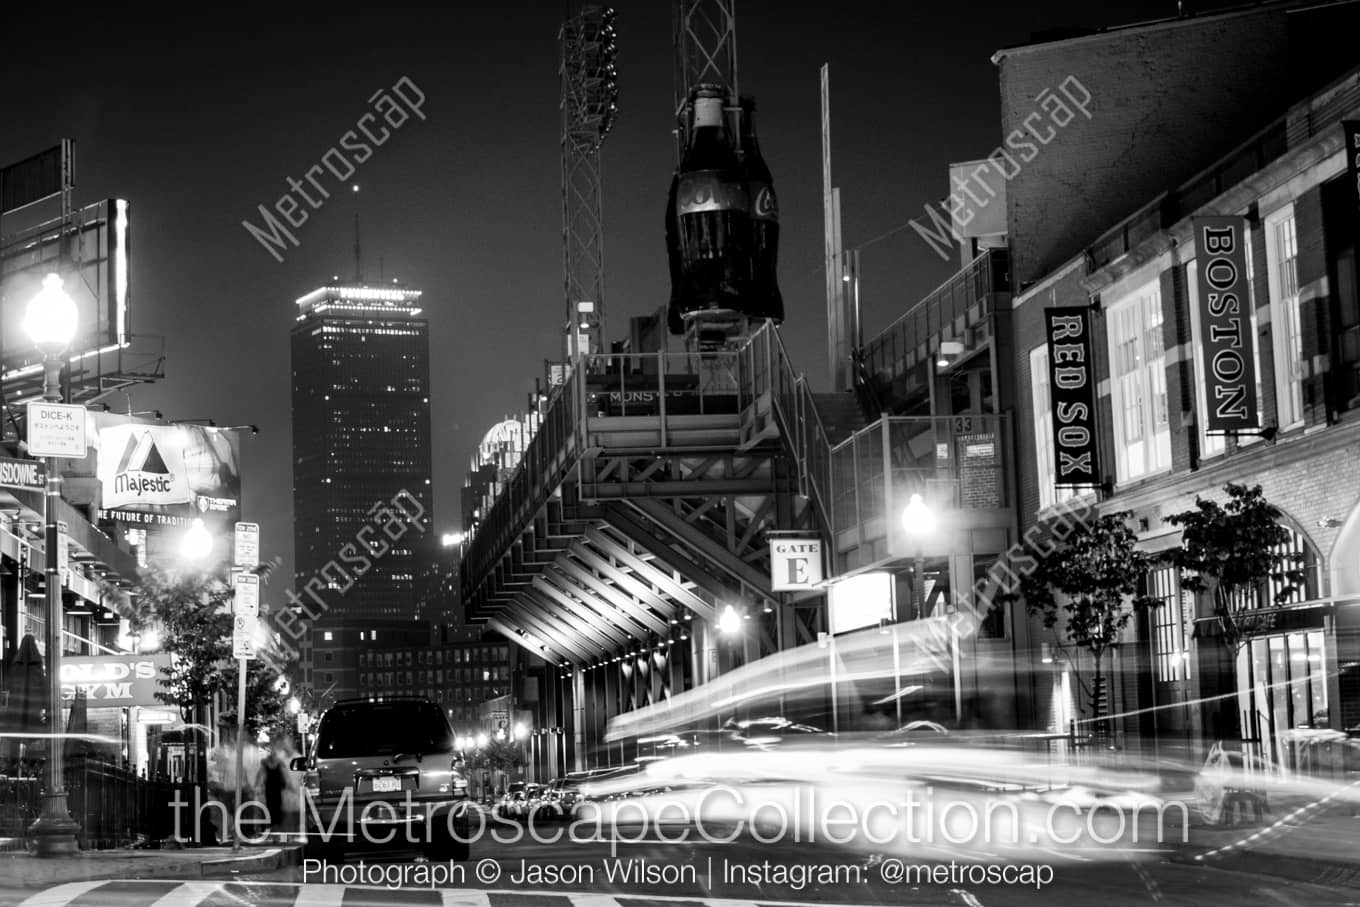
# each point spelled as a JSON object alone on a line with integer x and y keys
{"x": 919, "y": 521}
{"x": 197, "y": 543}
{"x": 729, "y": 622}
{"x": 50, "y": 322}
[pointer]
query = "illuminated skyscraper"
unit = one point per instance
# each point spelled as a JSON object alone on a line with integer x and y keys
{"x": 361, "y": 444}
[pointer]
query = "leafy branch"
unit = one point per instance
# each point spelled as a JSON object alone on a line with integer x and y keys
{"x": 1231, "y": 551}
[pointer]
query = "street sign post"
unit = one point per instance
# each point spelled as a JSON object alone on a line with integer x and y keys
{"x": 243, "y": 636}
{"x": 56, "y": 430}
{"x": 247, "y": 545}
{"x": 242, "y": 664}
{"x": 246, "y": 599}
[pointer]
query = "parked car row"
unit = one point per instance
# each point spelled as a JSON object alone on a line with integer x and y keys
{"x": 556, "y": 801}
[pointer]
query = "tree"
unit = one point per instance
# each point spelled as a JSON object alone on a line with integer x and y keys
{"x": 497, "y": 756}
{"x": 1092, "y": 584}
{"x": 1229, "y": 552}
{"x": 266, "y": 706}
{"x": 192, "y": 613}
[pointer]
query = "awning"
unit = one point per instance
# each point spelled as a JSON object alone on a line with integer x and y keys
{"x": 1264, "y": 621}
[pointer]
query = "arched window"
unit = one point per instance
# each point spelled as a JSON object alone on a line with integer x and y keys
{"x": 1297, "y": 554}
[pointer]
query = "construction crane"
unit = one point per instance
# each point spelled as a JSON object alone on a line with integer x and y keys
{"x": 588, "y": 107}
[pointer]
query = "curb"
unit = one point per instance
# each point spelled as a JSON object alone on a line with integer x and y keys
{"x": 268, "y": 861}
{"x": 92, "y": 869}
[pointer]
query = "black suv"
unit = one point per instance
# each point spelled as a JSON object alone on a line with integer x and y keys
{"x": 386, "y": 773}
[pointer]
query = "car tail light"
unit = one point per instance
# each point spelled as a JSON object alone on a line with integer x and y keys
{"x": 460, "y": 784}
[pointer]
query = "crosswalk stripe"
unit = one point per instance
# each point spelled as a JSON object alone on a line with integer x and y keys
{"x": 61, "y": 895}
{"x": 594, "y": 900}
{"x": 187, "y": 893}
{"x": 320, "y": 896}
{"x": 191, "y": 893}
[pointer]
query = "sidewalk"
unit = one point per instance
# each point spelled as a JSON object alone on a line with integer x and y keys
{"x": 27, "y": 871}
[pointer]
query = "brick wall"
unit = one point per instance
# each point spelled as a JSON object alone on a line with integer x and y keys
{"x": 1166, "y": 101}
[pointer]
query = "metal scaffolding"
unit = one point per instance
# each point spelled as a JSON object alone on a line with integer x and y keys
{"x": 588, "y": 106}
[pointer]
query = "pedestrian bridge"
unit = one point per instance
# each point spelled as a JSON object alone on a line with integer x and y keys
{"x": 644, "y": 504}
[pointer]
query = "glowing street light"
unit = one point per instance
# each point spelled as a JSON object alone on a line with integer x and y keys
{"x": 520, "y": 730}
{"x": 197, "y": 543}
{"x": 482, "y": 740}
{"x": 294, "y": 705}
{"x": 50, "y": 320}
{"x": 729, "y": 622}
{"x": 918, "y": 519}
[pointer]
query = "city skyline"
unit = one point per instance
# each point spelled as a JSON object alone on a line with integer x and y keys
{"x": 468, "y": 196}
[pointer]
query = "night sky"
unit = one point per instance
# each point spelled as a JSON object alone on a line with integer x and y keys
{"x": 199, "y": 115}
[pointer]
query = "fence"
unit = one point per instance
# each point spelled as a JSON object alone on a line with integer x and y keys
{"x": 113, "y": 806}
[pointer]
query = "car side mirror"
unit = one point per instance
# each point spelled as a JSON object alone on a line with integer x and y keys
{"x": 298, "y": 764}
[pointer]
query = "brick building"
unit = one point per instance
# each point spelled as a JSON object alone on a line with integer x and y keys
{"x": 1141, "y": 279}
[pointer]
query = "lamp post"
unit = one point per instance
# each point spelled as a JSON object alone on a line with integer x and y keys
{"x": 50, "y": 322}
{"x": 919, "y": 521}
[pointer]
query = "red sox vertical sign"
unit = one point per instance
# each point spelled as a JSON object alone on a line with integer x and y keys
{"x": 1076, "y": 458}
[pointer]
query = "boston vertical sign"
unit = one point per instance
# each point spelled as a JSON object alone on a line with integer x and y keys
{"x": 1073, "y": 397}
{"x": 1225, "y": 324}
{"x": 1351, "y": 130}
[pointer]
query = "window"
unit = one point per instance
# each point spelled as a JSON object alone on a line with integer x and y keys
{"x": 1142, "y": 429}
{"x": 1282, "y": 252}
{"x": 1168, "y": 626}
{"x": 327, "y": 636}
{"x": 1043, "y": 430}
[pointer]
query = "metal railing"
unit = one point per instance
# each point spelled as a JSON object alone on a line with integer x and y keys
{"x": 113, "y": 806}
{"x": 768, "y": 370}
{"x": 893, "y": 358}
{"x": 959, "y": 461}
{"x": 664, "y": 385}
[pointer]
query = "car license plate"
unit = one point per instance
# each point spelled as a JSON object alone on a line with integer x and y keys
{"x": 386, "y": 784}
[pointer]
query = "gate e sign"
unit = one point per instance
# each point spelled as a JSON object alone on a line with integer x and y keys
{"x": 795, "y": 563}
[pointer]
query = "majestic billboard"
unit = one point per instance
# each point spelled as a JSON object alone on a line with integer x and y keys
{"x": 166, "y": 475}
{"x": 1225, "y": 324}
{"x": 1072, "y": 392}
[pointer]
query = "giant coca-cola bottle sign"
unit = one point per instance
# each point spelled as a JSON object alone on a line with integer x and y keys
{"x": 709, "y": 190}
{"x": 712, "y": 215}
{"x": 762, "y": 298}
